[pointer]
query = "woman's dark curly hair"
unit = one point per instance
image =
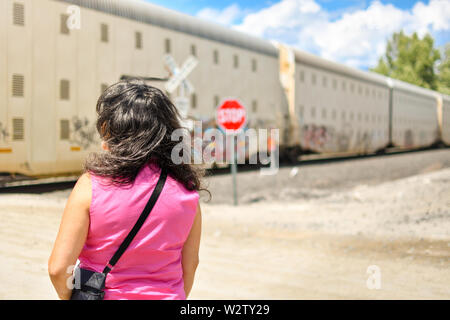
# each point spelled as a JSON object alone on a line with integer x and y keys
{"x": 137, "y": 121}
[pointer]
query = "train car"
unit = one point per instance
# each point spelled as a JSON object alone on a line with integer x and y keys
{"x": 5, "y": 143}
{"x": 444, "y": 118}
{"x": 15, "y": 83}
{"x": 55, "y": 74}
{"x": 52, "y": 73}
{"x": 415, "y": 116}
{"x": 338, "y": 109}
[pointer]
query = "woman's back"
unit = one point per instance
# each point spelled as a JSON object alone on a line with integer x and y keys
{"x": 136, "y": 124}
{"x": 151, "y": 266}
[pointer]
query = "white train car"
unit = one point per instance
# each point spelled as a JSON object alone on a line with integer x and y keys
{"x": 444, "y": 118}
{"x": 54, "y": 74}
{"x": 340, "y": 109}
{"x": 415, "y": 116}
{"x": 51, "y": 77}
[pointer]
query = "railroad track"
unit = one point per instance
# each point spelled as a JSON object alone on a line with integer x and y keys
{"x": 37, "y": 186}
{"x": 311, "y": 159}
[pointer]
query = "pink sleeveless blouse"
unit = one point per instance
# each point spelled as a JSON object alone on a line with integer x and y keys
{"x": 151, "y": 266}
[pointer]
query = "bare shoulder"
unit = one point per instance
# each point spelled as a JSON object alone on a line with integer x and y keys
{"x": 82, "y": 192}
{"x": 84, "y": 182}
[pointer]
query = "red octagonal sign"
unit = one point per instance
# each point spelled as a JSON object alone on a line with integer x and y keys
{"x": 231, "y": 116}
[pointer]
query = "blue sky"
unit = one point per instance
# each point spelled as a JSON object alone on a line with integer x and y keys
{"x": 192, "y": 7}
{"x": 353, "y": 32}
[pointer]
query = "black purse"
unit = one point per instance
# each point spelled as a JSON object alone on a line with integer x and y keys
{"x": 90, "y": 285}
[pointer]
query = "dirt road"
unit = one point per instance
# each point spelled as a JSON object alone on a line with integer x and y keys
{"x": 311, "y": 243}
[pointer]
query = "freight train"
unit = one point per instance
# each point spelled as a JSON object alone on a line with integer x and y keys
{"x": 58, "y": 56}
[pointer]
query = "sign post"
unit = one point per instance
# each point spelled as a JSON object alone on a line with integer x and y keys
{"x": 234, "y": 174}
{"x": 231, "y": 117}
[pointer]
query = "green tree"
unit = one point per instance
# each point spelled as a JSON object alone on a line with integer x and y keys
{"x": 410, "y": 59}
{"x": 444, "y": 71}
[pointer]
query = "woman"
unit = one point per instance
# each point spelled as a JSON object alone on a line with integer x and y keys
{"x": 135, "y": 122}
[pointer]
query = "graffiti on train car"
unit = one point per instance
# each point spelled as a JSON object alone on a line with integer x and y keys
{"x": 84, "y": 132}
{"x": 316, "y": 137}
{"x": 3, "y": 132}
{"x": 327, "y": 138}
{"x": 321, "y": 138}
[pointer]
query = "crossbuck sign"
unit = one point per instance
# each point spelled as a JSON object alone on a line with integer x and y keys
{"x": 179, "y": 75}
{"x": 178, "y": 80}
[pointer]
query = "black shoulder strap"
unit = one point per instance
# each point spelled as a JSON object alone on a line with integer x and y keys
{"x": 148, "y": 208}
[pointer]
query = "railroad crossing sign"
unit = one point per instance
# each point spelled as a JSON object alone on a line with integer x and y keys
{"x": 179, "y": 80}
{"x": 231, "y": 116}
{"x": 179, "y": 75}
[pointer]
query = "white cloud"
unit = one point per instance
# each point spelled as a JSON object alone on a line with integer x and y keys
{"x": 359, "y": 38}
{"x": 284, "y": 18}
{"x": 227, "y": 16}
{"x": 356, "y": 38}
{"x": 435, "y": 15}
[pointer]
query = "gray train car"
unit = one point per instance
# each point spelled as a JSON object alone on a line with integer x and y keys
{"x": 415, "y": 116}
{"x": 444, "y": 118}
{"x": 340, "y": 109}
{"x": 51, "y": 77}
{"x": 55, "y": 74}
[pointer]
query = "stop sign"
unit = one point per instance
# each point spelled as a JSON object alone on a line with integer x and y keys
{"x": 231, "y": 116}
